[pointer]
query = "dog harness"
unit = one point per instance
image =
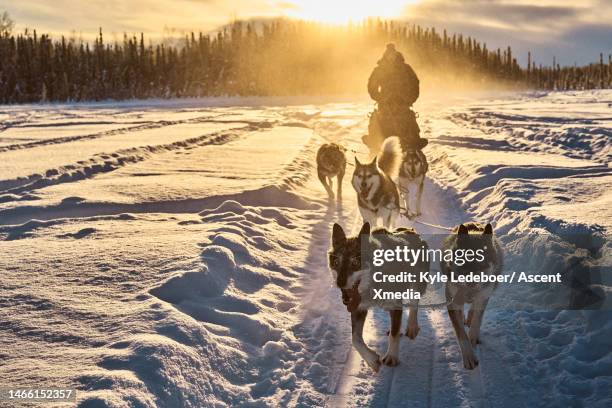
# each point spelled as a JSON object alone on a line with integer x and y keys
{"x": 378, "y": 195}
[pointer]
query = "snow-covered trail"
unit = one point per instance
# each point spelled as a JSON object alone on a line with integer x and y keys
{"x": 431, "y": 372}
{"x": 175, "y": 254}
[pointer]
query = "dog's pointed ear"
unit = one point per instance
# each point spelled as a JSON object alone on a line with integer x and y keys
{"x": 488, "y": 229}
{"x": 357, "y": 163}
{"x": 462, "y": 230}
{"x": 374, "y": 162}
{"x": 338, "y": 236}
{"x": 365, "y": 229}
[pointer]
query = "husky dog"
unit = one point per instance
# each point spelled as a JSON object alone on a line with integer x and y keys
{"x": 475, "y": 237}
{"x": 412, "y": 174}
{"x": 377, "y": 194}
{"x": 331, "y": 162}
{"x": 354, "y": 278}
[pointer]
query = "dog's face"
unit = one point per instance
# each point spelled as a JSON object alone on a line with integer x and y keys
{"x": 366, "y": 179}
{"x": 412, "y": 165}
{"x": 345, "y": 256}
{"x": 476, "y": 240}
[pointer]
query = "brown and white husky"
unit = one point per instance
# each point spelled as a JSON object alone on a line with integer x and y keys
{"x": 377, "y": 195}
{"x": 331, "y": 162}
{"x": 471, "y": 236}
{"x": 353, "y": 276}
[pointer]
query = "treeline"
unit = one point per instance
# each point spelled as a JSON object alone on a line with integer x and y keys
{"x": 278, "y": 57}
{"x": 592, "y": 76}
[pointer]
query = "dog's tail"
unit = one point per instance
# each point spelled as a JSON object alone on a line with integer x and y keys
{"x": 389, "y": 158}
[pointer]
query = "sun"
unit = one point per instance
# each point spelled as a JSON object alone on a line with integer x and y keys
{"x": 343, "y": 11}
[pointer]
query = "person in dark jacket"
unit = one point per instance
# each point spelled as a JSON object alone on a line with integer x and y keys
{"x": 395, "y": 87}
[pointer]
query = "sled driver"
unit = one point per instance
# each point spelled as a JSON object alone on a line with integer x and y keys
{"x": 395, "y": 87}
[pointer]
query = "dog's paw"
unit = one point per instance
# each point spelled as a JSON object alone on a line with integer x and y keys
{"x": 374, "y": 362}
{"x": 470, "y": 361}
{"x": 475, "y": 341}
{"x": 412, "y": 332}
{"x": 390, "y": 360}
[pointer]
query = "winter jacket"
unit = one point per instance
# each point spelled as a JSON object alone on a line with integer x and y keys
{"x": 393, "y": 83}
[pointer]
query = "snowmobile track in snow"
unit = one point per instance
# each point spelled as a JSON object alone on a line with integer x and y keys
{"x": 107, "y": 162}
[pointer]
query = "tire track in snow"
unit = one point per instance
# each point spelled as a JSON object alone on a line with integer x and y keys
{"x": 123, "y": 130}
{"x": 107, "y": 162}
{"x": 91, "y": 136}
{"x": 411, "y": 381}
{"x": 292, "y": 176}
{"x": 466, "y": 387}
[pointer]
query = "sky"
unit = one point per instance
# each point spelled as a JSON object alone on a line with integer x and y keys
{"x": 575, "y": 31}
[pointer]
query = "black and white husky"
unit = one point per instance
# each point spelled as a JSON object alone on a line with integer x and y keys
{"x": 331, "y": 162}
{"x": 354, "y": 278}
{"x": 412, "y": 170}
{"x": 411, "y": 177}
{"x": 377, "y": 195}
{"x": 471, "y": 236}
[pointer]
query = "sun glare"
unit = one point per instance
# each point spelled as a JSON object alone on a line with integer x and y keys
{"x": 343, "y": 11}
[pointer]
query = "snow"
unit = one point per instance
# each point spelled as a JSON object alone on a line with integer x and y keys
{"x": 191, "y": 172}
{"x": 15, "y": 137}
{"x": 173, "y": 253}
{"x": 37, "y": 160}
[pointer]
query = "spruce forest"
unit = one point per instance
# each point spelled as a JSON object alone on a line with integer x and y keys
{"x": 276, "y": 57}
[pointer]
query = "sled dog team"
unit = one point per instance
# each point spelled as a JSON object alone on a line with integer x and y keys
{"x": 379, "y": 185}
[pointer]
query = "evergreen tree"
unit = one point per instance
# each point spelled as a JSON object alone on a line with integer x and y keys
{"x": 280, "y": 57}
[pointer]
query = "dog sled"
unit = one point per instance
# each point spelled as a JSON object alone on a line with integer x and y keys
{"x": 395, "y": 120}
